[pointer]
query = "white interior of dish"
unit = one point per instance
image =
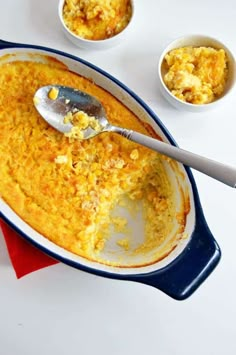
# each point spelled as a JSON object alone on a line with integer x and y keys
{"x": 112, "y": 251}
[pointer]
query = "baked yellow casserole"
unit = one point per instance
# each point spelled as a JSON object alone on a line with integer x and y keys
{"x": 67, "y": 189}
{"x": 196, "y": 75}
{"x": 96, "y": 19}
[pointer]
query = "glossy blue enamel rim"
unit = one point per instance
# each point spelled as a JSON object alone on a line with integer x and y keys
{"x": 184, "y": 275}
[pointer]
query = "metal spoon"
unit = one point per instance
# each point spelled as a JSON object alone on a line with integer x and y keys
{"x": 71, "y": 100}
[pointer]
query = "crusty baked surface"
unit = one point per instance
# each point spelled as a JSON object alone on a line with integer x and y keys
{"x": 67, "y": 190}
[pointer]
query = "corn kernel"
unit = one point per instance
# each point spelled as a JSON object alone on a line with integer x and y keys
{"x": 53, "y": 93}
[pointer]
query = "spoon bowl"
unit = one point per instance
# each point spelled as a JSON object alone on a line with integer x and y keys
{"x": 73, "y": 100}
{"x": 68, "y": 100}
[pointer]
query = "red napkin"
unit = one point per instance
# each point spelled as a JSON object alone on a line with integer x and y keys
{"x": 25, "y": 258}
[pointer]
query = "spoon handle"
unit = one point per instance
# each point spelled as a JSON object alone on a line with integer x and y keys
{"x": 216, "y": 170}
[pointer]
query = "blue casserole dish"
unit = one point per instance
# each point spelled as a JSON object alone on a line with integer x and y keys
{"x": 194, "y": 257}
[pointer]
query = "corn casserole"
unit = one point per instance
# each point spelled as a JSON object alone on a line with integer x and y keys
{"x": 67, "y": 189}
{"x": 196, "y": 74}
{"x": 96, "y": 19}
{"x": 81, "y": 121}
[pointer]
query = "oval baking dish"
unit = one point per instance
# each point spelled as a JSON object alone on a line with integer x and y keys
{"x": 194, "y": 254}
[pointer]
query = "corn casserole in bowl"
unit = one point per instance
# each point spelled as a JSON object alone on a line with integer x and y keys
{"x": 196, "y": 73}
{"x": 96, "y": 24}
{"x": 106, "y": 205}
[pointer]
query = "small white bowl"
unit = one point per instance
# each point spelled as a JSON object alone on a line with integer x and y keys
{"x": 197, "y": 41}
{"x": 94, "y": 44}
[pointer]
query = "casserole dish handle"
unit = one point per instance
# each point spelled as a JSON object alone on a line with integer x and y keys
{"x": 185, "y": 274}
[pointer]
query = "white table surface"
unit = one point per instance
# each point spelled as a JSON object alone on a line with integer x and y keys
{"x": 60, "y": 310}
